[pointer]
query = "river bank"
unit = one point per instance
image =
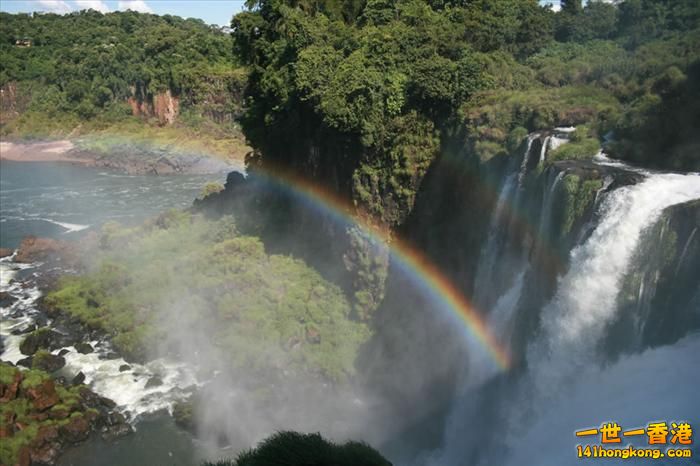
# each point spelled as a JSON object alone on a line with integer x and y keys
{"x": 63, "y": 205}
{"x": 124, "y": 156}
{"x": 86, "y": 391}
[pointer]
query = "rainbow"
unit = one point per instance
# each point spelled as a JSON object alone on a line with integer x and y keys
{"x": 414, "y": 263}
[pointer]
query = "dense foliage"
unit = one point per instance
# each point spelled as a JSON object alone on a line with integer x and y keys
{"x": 180, "y": 275}
{"x": 77, "y": 72}
{"x": 295, "y": 449}
{"x": 374, "y": 91}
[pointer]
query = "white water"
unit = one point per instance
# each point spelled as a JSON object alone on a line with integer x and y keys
{"x": 576, "y": 318}
{"x": 70, "y": 227}
{"x": 568, "y": 384}
{"x": 126, "y": 388}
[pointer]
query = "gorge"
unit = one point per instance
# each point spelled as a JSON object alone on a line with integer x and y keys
{"x": 464, "y": 231}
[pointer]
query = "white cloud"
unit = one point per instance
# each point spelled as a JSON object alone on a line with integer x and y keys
{"x": 135, "y": 5}
{"x": 97, "y": 5}
{"x": 54, "y": 6}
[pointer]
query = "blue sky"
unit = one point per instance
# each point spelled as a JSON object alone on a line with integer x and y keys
{"x": 211, "y": 11}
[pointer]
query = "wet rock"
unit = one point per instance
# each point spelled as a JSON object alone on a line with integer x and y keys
{"x": 63, "y": 352}
{"x": 84, "y": 348}
{"x": 24, "y": 329}
{"x": 79, "y": 379}
{"x": 154, "y": 381}
{"x": 6, "y": 299}
{"x": 6, "y": 252}
{"x": 26, "y": 362}
{"x": 90, "y": 399}
{"x": 108, "y": 355}
{"x": 43, "y": 396}
{"x": 48, "y": 362}
{"x": 46, "y": 454}
{"x": 124, "y": 368}
{"x": 46, "y": 434}
{"x": 41, "y": 338}
{"x": 107, "y": 403}
{"x": 77, "y": 430}
{"x": 111, "y": 433}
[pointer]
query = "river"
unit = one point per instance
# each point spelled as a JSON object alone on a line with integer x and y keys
{"x": 66, "y": 201}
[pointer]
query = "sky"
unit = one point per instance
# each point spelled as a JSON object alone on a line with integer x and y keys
{"x": 211, "y": 11}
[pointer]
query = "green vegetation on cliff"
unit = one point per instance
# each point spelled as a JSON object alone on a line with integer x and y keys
{"x": 367, "y": 97}
{"x": 264, "y": 312}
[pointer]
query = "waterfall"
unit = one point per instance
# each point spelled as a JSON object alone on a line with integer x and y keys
{"x": 545, "y": 146}
{"x": 568, "y": 382}
{"x": 574, "y": 322}
{"x": 497, "y": 232}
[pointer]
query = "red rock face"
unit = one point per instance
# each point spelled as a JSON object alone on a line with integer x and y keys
{"x": 166, "y": 107}
{"x": 43, "y": 396}
{"x": 9, "y": 392}
{"x": 163, "y": 106}
{"x": 34, "y": 249}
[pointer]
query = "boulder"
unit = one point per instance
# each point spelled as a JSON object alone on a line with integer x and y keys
{"x": 45, "y": 454}
{"x": 26, "y": 362}
{"x": 84, "y": 348}
{"x": 6, "y": 299}
{"x": 124, "y": 368}
{"x": 79, "y": 379}
{"x": 154, "y": 381}
{"x": 107, "y": 403}
{"x": 77, "y": 430}
{"x": 48, "y": 362}
{"x": 41, "y": 338}
{"x": 6, "y": 252}
{"x": 24, "y": 329}
{"x": 111, "y": 433}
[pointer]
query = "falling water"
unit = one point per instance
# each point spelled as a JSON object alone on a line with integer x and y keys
{"x": 568, "y": 383}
